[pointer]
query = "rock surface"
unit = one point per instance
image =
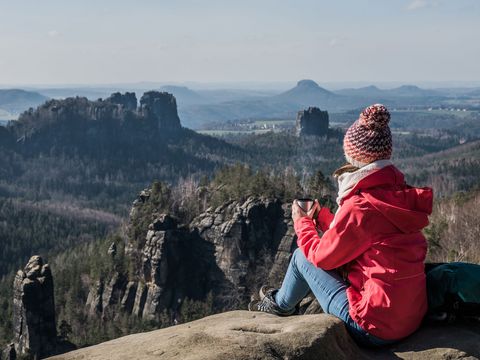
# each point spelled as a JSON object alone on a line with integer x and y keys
{"x": 128, "y": 100}
{"x": 9, "y": 352}
{"x": 312, "y": 121}
{"x": 249, "y": 239}
{"x": 233, "y": 335}
{"x": 227, "y": 251}
{"x": 161, "y": 106}
{"x": 245, "y": 335}
{"x": 454, "y": 341}
{"x": 34, "y": 310}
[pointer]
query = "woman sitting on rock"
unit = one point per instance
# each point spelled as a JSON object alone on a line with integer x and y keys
{"x": 374, "y": 237}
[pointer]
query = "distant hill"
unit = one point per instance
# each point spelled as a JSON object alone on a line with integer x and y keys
{"x": 307, "y": 93}
{"x": 184, "y": 95}
{"x": 63, "y": 93}
{"x": 474, "y": 93}
{"x": 226, "y": 95}
{"x": 16, "y": 101}
{"x": 202, "y": 106}
{"x": 391, "y": 94}
{"x": 371, "y": 90}
{"x": 412, "y": 91}
{"x": 460, "y": 164}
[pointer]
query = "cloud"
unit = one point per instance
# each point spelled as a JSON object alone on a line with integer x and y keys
{"x": 333, "y": 42}
{"x": 337, "y": 41}
{"x": 420, "y": 4}
{"x": 53, "y": 33}
{"x": 417, "y": 4}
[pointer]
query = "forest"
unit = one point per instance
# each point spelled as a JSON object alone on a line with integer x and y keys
{"x": 70, "y": 200}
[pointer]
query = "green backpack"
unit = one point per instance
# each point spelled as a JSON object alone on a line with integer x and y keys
{"x": 453, "y": 291}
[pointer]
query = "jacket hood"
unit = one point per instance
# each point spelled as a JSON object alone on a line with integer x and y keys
{"x": 406, "y": 207}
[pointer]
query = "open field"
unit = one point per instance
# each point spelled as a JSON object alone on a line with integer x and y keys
{"x": 236, "y": 132}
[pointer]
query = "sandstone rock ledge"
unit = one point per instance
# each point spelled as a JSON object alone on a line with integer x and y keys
{"x": 245, "y": 335}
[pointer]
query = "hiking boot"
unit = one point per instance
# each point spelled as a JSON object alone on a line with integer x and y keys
{"x": 268, "y": 304}
{"x": 264, "y": 290}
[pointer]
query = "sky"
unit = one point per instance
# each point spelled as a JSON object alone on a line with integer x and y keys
{"x": 117, "y": 41}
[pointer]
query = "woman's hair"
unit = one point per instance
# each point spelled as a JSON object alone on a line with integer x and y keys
{"x": 344, "y": 169}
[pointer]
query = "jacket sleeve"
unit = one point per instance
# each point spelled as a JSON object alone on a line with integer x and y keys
{"x": 349, "y": 236}
{"x": 324, "y": 218}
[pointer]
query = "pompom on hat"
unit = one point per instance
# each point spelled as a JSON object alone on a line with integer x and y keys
{"x": 369, "y": 138}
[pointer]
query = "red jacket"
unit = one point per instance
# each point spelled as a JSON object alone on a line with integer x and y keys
{"x": 377, "y": 232}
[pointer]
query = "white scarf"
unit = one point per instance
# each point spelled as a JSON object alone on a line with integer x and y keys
{"x": 348, "y": 180}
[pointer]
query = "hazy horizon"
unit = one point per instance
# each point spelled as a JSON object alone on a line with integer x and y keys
{"x": 271, "y": 86}
{"x": 215, "y": 42}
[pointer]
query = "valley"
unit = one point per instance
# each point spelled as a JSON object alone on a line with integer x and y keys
{"x": 72, "y": 168}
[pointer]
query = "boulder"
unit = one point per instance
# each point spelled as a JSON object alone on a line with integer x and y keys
{"x": 245, "y": 335}
{"x": 233, "y": 335}
{"x": 435, "y": 341}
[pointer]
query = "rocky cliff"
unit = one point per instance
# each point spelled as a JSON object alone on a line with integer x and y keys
{"x": 34, "y": 311}
{"x": 244, "y": 335}
{"x": 312, "y": 121}
{"x": 162, "y": 107}
{"x": 34, "y": 323}
{"x": 226, "y": 251}
{"x": 114, "y": 120}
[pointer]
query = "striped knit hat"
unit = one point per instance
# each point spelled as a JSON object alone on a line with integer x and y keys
{"x": 369, "y": 138}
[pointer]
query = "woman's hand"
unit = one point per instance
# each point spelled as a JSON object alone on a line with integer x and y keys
{"x": 298, "y": 213}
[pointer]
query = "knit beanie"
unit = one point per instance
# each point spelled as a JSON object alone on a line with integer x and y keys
{"x": 369, "y": 138}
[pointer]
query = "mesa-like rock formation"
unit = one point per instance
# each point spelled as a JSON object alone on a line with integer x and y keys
{"x": 161, "y": 106}
{"x": 245, "y": 335}
{"x": 100, "y": 124}
{"x": 312, "y": 121}
{"x": 34, "y": 324}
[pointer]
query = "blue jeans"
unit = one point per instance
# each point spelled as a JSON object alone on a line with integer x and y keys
{"x": 330, "y": 290}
